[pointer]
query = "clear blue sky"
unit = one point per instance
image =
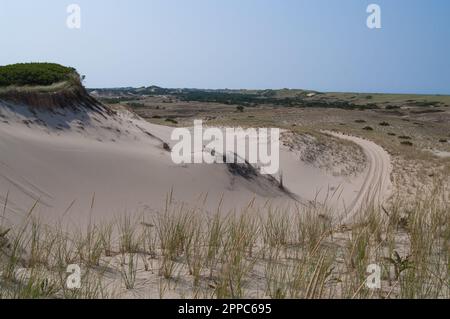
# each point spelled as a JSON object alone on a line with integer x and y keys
{"x": 314, "y": 44}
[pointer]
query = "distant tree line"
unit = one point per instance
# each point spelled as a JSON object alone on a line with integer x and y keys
{"x": 266, "y": 97}
{"x": 220, "y": 97}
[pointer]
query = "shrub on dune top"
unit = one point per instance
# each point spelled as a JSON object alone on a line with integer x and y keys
{"x": 34, "y": 74}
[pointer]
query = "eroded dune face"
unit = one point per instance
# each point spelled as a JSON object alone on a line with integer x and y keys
{"x": 68, "y": 161}
{"x": 79, "y": 164}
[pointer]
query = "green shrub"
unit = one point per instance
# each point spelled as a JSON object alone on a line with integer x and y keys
{"x": 136, "y": 105}
{"x": 368, "y": 128}
{"x": 392, "y": 107}
{"x": 407, "y": 143}
{"x": 171, "y": 121}
{"x": 34, "y": 74}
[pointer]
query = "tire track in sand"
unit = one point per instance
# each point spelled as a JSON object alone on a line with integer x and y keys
{"x": 377, "y": 185}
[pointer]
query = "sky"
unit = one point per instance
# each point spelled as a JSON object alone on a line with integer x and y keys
{"x": 321, "y": 45}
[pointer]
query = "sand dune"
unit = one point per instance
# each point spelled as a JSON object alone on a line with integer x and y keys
{"x": 81, "y": 165}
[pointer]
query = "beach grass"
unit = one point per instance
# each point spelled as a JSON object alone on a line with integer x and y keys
{"x": 259, "y": 252}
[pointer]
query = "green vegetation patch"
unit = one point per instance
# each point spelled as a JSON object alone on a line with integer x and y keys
{"x": 34, "y": 74}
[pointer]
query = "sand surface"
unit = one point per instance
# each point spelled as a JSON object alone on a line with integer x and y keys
{"x": 79, "y": 166}
{"x": 376, "y": 183}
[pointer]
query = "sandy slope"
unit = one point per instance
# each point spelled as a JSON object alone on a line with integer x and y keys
{"x": 69, "y": 161}
{"x": 118, "y": 163}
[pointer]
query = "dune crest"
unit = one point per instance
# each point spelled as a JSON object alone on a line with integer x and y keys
{"x": 67, "y": 158}
{"x": 80, "y": 160}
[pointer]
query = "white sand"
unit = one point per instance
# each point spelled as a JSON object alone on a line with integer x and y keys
{"x": 121, "y": 160}
{"x": 441, "y": 154}
{"x": 376, "y": 183}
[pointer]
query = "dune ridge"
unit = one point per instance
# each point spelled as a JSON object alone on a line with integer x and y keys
{"x": 76, "y": 158}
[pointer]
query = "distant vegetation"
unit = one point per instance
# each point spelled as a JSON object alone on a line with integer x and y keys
{"x": 135, "y": 104}
{"x": 281, "y": 98}
{"x": 34, "y": 74}
{"x": 221, "y": 97}
{"x": 171, "y": 121}
{"x": 118, "y": 100}
{"x": 264, "y": 98}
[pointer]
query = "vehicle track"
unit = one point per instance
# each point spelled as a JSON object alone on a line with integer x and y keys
{"x": 377, "y": 186}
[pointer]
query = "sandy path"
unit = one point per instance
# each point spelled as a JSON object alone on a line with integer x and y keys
{"x": 377, "y": 185}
